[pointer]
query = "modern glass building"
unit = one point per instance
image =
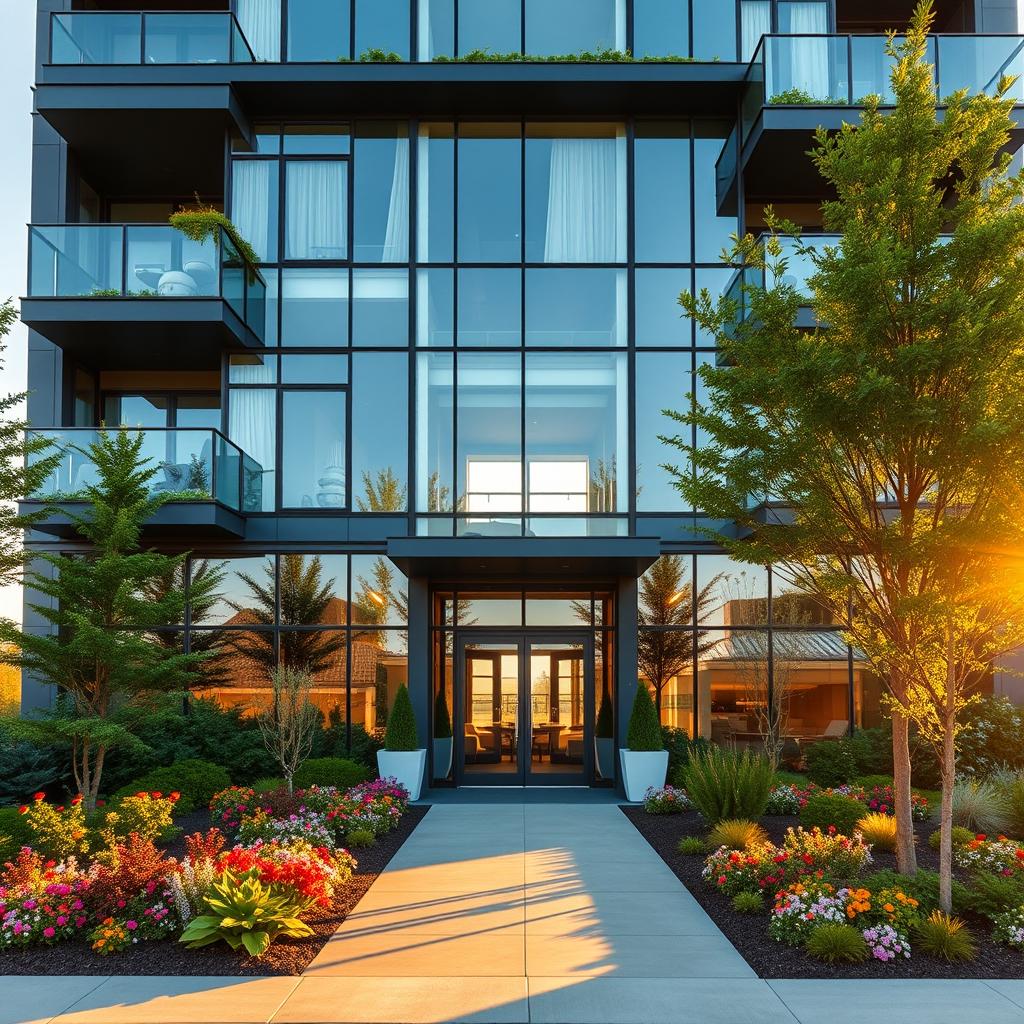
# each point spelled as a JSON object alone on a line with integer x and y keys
{"x": 420, "y": 440}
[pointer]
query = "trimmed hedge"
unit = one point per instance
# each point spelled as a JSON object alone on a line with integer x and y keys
{"x": 196, "y": 780}
{"x": 330, "y": 771}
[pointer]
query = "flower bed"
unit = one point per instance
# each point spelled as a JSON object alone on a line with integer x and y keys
{"x": 799, "y": 879}
{"x": 791, "y": 799}
{"x": 119, "y": 895}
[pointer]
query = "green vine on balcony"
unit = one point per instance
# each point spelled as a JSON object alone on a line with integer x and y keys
{"x": 201, "y": 222}
{"x": 377, "y": 56}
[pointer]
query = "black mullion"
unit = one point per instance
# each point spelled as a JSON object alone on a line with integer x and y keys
{"x": 522, "y": 26}
{"x": 524, "y": 505}
{"x": 352, "y": 29}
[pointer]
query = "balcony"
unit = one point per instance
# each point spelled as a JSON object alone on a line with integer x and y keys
{"x": 796, "y": 83}
{"x": 142, "y": 296}
{"x": 211, "y": 482}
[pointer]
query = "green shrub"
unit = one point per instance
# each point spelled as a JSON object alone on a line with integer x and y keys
{"x": 364, "y": 747}
{"x": 990, "y": 894}
{"x": 241, "y": 911}
{"x": 945, "y": 937}
{"x": 872, "y": 751}
{"x": 736, "y": 834}
{"x": 195, "y": 779}
{"x": 330, "y": 771}
{"x": 981, "y": 806}
{"x": 359, "y": 838}
{"x": 605, "y": 727}
{"x": 841, "y": 811}
{"x": 924, "y": 887}
{"x": 869, "y": 782}
{"x": 723, "y": 784}
{"x": 644, "y": 733}
{"x": 961, "y": 837}
{"x": 401, "y": 732}
{"x": 442, "y": 718}
{"x": 837, "y": 943}
{"x": 831, "y": 763}
{"x": 748, "y": 903}
{"x": 680, "y": 749}
{"x": 992, "y": 737}
{"x": 149, "y": 817}
{"x": 26, "y": 769}
{"x": 14, "y": 832}
{"x": 692, "y": 846}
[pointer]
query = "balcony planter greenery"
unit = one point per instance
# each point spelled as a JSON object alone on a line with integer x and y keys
{"x": 644, "y": 759}
{"x": 402, "y": 757}
{"x": 442, "y": 736}
{"x": 604, "y": 738}
{"x": 202, "y": 222}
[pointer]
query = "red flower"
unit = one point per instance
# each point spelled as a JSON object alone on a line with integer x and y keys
{"x": 38, "y": 796}
{"x": 175, "y": 796}
{"x": 76, "y": 800}
{"x": 23, "y": 809}
{"x": 155, "y": 796}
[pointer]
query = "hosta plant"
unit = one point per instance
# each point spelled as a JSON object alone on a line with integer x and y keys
{"x": 245, "y": 913}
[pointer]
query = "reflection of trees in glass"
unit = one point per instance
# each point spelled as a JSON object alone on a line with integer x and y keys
{"x": 602, "y": 486}
{"x": 439, "y": 495}
{"x": 383, "y": 492}
{"x": 767, "y": 682}
{"x": 666, "y": 599}
{"x": 305, "y": 601}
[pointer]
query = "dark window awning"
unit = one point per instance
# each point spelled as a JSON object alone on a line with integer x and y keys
{"x": 524, "y": 557}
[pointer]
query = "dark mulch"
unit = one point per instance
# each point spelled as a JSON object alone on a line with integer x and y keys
{"x": 749, "y": 933}
{"x": 285, "y": 956}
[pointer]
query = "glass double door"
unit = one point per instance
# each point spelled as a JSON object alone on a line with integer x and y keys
{"x": 525, "y": 709}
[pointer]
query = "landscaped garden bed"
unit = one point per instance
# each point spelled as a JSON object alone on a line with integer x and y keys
{"x": 102, "y": 890}
{"x": 783, "y": 882}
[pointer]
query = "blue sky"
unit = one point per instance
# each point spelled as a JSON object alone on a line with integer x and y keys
{"x": 17, "y": 46}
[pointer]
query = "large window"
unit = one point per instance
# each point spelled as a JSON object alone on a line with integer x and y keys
{"x": 380, "y": 429}
{"x": 313, "y": 472}
{"x": 489, "y": 193}
{"x": 381, "y": 193}
{"x": 663, "y": 380}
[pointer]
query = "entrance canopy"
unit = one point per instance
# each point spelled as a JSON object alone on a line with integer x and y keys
{"x": 524, "y": 557}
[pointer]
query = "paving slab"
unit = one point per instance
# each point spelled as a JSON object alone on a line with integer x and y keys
{"x": 25, "y": 1000}
{"x": 165, "y": 999}
{"x": 1012, "y": 989}
{"x": 564, "y": 911}
{"x": 897, "y": 1001}
{"x": 437, "y": 1000}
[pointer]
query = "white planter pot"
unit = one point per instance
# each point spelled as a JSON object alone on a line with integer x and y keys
{"x": 605, "y": 749}
{"x": 406, "y": 766}
{"x": 442, "y": 756}
{"x": 642, "y": 769}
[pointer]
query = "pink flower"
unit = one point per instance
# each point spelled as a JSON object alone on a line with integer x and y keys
{"x": 49, "y": 932}
{"x": 79, "y": 921}
{"x": 131, "y": 925}
{"x": 62, "y": 920}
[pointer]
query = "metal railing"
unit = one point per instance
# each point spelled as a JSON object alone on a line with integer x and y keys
{"x": 148, "y": 37}
{"x": 191, "y": 463}
{"x": 150, "y": 261}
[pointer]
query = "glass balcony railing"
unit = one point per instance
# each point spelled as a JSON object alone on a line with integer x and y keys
{"x": 841, "y": 70}
{"x": 191, "y": 463}
{"x": 158, "y": 37}
{"x": 151, "y": 261}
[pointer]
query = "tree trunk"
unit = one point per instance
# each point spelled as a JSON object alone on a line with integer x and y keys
{"x": 906, "y": 856}
{"x": 289, "y": 782}
{"x": 948, "y": 772}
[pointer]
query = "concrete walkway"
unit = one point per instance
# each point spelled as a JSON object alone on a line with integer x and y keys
{"x": 548, "y": 914}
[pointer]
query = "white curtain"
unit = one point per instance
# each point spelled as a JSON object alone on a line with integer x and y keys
{"x": 251, "y": 425}
{"x": 250, "y": 202}
{"x": 809, "y": 60}
{"x": 260, "y": 21}
{"x": 315, "y": 210}
{"x": 755, "y": 21}
{"x": 586, "y": 201}
{"x": 396, "y": 234}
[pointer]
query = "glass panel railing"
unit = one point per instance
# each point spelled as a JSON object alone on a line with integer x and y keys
{"x": 93, "y": 38}
{"x": 191, "y": 464}
{"x": 143, "y": 261}
{"x": 799, "y": 266}
{"x": 871, "y": 68}
{"x": 161, "y": 37}
{"x": 977, "y": 63}
{"x": 806, "y": 69}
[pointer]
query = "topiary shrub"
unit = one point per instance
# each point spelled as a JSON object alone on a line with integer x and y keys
{"x": 330, "y": 771}
{"x": 195, "y": 779}
{"x": 401, "y": 732}
{"x": 842, "y": 812}
{"x": 831, "y": 763}
{"x": 644, "y": 733}
{"x": 604, "y": 729}
{"x": 722, "y": 784}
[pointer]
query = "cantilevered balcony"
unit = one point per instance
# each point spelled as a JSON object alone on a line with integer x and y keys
{"x": 796, "y": 83}
{"x": 210, "y": 482}
{"x": 142, "y": 296}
